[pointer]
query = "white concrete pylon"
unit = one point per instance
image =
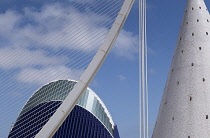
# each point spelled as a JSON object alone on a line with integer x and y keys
{"x": 185, "y": 107}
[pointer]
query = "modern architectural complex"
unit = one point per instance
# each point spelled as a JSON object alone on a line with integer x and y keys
{"x": 89, "y": 118}
{"x": 185, "y": 107}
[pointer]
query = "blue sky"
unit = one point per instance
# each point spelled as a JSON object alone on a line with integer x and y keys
{"x": 116, "y": 83}
{"x": 27, "y": 61}
{"x": 163, "y": 22}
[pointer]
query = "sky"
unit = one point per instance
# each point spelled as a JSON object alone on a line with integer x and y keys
{"x": 116, "y": 83}
{"x": 163, "y": 24}
{"x": 39, "y": 44}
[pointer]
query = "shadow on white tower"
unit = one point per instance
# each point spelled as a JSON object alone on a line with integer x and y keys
{"x": 185, "y": 107}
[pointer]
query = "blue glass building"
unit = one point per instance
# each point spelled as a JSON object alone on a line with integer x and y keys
{"x": 89, "y": 118}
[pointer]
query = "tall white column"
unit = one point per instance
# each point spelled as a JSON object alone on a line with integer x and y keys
{"x": 185, "y": 107}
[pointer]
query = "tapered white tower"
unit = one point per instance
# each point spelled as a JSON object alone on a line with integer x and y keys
{"x": 185, "y": 107}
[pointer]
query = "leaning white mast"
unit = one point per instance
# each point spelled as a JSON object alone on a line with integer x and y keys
{"x": 68, "y": 104}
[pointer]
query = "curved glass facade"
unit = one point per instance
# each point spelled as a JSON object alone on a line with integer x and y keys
{"x": 47, "y": 99}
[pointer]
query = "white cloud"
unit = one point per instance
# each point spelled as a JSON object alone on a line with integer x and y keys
{"x": 43, "y": 76}
{"x": 63, "y": 26}
{"x": 73, "y": 30}
{"x": 126, "y": 45}
{"x": 152, "y": 71}
{"x": 151, "y": 51}
{"x": 9, "y": 20}
{"x": 20, "y": 58}
{"x": 55, "y": 26}
{"x": 95, "y": 2}
{"x": 82, "y": 1}
{"x": 121, "y": 77}
{"x": 94, "y": 83}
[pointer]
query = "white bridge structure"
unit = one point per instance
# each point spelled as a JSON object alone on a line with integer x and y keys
{"x": 68, "y": 104}
{"x": 62, "y": 40}
{"x": 185, "y": 107}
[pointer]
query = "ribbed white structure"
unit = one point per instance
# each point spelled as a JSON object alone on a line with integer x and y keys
{"x": 185, "y": 107}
